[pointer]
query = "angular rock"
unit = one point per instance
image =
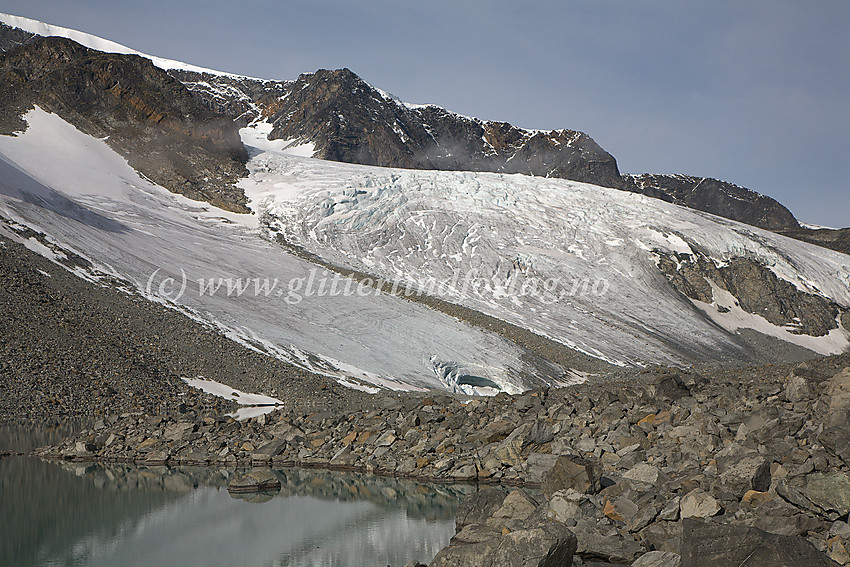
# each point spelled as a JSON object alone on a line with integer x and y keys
{"x": 698, "y": 504}
{"x": 658, "y": 559}
{"x": 516, "y": 506}
{"x": 836, "y": 440}
{"x": 838, "y": 390}
{"x": 662, "y": 536}
{"x": 476, "y": 533}
{"x": 478, "y": 507}
{"x": 565, "y": 505}
{"x": 620, "y": 510}
{"x": 257, "y": 480}
{"x": 84, "y": 449}
{"x": 829, "y": 491}
{"x": 571, "y": 472}
{"x": 176, "y": 431}
{"x": 545, "y": 545}
{"x": 540, "y": 433}
{"x": 538, "y": 464}
{"x": 797, "y": 389}
{"x": 604, "y": 543}
{"x": 509, "y": 451}
{"x": 156, "y": 458}
{"x": 750, "y": 473}
{"x": 642, "y": 472}
{"x": 271, "y": 449}
{"x": 386, "y": 439}
{"x": 719, "y": 545}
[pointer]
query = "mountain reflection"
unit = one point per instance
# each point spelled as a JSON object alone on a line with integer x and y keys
{"x": 75, "y": 514}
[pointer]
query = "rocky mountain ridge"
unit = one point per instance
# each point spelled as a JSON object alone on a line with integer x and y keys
{"x": 146, "y": 115}
{"x": 346, "y": 119}
{"x": 714, "y": 196}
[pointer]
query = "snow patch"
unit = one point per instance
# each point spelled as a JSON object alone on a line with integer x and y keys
{"x": 224, "y": 391}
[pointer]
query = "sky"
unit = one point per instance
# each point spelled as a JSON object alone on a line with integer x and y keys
{"x": 756, "y": 92}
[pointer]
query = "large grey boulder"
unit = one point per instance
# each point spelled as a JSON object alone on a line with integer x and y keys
{"x": 544, "y": 545}
{"x": 723, "y": 545}
{"x": 829, "y": 491}
{"x": 698, "y": 504}
{"x": 604, "y": 542}
{"x": 750, "y": 473}
{"x": 516, "y": 506}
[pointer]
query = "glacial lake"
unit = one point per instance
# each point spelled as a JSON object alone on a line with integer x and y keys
{"x": 82, "y": 514}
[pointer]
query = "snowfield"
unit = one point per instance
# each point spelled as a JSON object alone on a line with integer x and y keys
{"x": 570, "y": 261}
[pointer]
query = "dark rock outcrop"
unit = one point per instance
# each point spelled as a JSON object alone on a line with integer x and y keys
{"x": 714, "y": 545}
{"x": 10, "y": 37}
{"x": 756, "y": 289}
{"x": 716, "y": 197}
{"x": 837, "y": 239}
{"x": 241, "y": 98}
{"x": 146, "y": 115}
{"x": 514, "y": 534}
{"x": 348, "y": 120}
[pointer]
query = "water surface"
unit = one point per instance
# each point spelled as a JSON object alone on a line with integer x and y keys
{"x": 75, "y": 515}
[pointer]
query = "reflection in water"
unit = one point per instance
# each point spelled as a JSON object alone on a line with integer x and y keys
{"x": 73, "y": 514}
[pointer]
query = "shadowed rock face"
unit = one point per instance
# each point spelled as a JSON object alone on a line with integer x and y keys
{"x": 11, "y": 38}
{"x": 716, "y": 197}
{"x": 348, "y": 120}
{"x": 351, "y": 121}
{"x": 148, "y": 116}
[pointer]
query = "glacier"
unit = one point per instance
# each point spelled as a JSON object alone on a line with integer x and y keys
{"x": 569, "y": 261}
{"x": 594, "y": 247}
{"x": 60, "y": 182}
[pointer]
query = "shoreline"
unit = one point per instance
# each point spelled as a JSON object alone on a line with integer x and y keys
{"x": 625, "y": 466}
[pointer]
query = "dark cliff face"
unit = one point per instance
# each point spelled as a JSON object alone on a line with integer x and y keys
{"x": 149, "y": 117}
{"x": 351, "y": 121}
{"x": 348, "y": 120}
{"x": 756, "y": 290}
{"x": 10, "y": 37}
{"x": 716, "y": 197}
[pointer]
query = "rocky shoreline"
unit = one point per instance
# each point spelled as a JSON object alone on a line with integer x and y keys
{"x": 662, "y": 462}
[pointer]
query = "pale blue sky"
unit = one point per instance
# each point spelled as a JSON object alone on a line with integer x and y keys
{"x": 754, "y": 92}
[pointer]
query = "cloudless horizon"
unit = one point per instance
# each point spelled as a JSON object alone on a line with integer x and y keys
{"x": 756, "y": 93}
